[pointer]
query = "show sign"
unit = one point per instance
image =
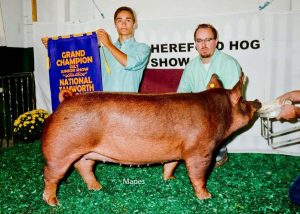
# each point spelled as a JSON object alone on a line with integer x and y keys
{"x": 177, "y": 48}
{"x": 74, "y": 65}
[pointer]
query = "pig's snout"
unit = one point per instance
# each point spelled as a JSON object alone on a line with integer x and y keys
{"x": 253, "y": 107}
{"x": 256, "y": 104}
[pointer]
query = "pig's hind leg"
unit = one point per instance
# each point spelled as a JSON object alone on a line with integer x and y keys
{"x": 54, "y": 171}
{"x": 85, "y": 169}
{"x": 198, "y": 168}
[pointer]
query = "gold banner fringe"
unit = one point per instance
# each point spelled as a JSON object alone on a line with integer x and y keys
{"x": 66, "y": 36}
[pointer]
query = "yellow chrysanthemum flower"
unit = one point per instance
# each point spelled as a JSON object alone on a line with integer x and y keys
{"x": 29, "y": 124}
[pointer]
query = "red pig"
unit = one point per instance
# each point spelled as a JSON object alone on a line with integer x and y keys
{"x": 136, "y": 129}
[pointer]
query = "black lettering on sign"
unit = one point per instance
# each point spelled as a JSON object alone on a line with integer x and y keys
{"x": 155, "y": 48}
{"x": 255, "y": 44}
{"x": 233, "y": 45}
{"x": 154, "y": 62}
{"x": 164, "y": 48}
{"x": 188, "y": 47}
{"x": 172, "y": 47}
{"x": 244, "y": 44}
{"x": 220, "y": 45}
{"x": 172, "y": 62}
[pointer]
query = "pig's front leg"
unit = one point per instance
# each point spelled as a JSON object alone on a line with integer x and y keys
{"x": 198, "y": 169}
{"x": 169, "y": 169}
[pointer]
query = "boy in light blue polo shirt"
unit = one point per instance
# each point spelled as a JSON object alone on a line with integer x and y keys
{"x": 124, "y": 61}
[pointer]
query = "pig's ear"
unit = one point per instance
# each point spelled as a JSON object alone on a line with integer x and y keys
{"x": 214, "y": 82}
{"x": 236, "y": 92}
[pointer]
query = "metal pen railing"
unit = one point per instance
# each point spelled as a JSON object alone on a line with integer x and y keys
{"x": 274, "y": 137}
{"x": 17, "y": 95}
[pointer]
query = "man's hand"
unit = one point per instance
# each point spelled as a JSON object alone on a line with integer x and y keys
{"x": 284, "y": 98}
{"x": 293, "y": 96}
{"x": 288, "y": 112}
{"x": 103, "y": 37}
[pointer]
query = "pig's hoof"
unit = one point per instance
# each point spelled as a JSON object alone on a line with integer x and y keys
{"x": 52, "y": 201}
{"x": 169, "y": 177}
{"x": 95, "y": 186}
{"x": 222, "y": 161}
{"x": 203, "y": 195}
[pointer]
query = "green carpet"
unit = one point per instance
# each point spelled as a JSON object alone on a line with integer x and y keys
{"x": 247, "y": 183}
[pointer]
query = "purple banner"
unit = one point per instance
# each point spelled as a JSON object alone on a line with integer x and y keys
{"x": 74, "y": 65}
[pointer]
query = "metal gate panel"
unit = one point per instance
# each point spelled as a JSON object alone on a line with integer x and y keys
{"x": 17, "y": 95}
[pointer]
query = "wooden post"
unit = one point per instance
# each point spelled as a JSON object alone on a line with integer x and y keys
{"x": 34, "y": 11}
